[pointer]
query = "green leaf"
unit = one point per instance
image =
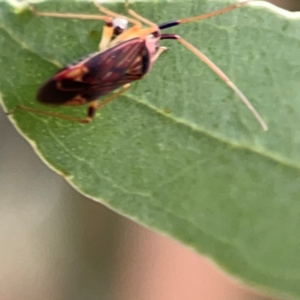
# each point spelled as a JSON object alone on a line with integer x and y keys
{"x": 179, "y": 152}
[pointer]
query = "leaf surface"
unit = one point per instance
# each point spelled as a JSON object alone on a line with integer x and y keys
{"x": 178, "y": 152}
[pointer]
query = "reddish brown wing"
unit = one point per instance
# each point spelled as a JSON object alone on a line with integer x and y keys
{"x": 97, "y": 75}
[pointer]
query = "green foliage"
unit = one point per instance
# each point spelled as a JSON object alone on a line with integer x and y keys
{"x": 179, "y": 153}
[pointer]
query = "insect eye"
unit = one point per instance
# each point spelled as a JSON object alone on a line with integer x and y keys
{"x": 119, "y": 25}
{"x": 118, "y": 30}
{"x": 156, "y": 34}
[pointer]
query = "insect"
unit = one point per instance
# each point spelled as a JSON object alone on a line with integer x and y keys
{"x": 125, "y": 55}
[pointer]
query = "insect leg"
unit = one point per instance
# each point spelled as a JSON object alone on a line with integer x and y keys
{"x": 51, "y": 114}
{"x": 124, "y": 34}
{"x": 107, "y": 29}
{"x": 220, "y": 73}
{"x": 93, "y": 106}
{"x": 134, "y": 31}
{"x": 107, "y": 34}
{"x": 124, "y": 88}
{"x": 158, "y": 53}
{"x": 115, "y": 15}
{"x": 106, "y": 19}
{"x": 137, "y": 16}
{"x": 203, "y": 16}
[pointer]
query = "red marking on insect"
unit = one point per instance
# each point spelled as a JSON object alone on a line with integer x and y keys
{"x": 125, "y": 55}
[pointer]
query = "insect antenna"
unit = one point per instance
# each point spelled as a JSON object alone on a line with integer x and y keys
{"x": 206, "y": 60}
{"x": 203, "y": 16}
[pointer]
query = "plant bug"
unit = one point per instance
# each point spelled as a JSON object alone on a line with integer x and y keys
{"x": 125, "y": 55}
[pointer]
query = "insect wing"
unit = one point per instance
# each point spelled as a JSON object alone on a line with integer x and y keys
{"x": 93, "y": 77}
{"x": 59, "y": 92}
{"x": 113, "y": 68}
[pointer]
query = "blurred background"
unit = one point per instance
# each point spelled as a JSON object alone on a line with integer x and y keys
{"x": 56, "y": 244}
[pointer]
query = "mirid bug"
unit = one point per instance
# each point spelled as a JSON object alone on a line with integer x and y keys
{"x": 125, "y": 55}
